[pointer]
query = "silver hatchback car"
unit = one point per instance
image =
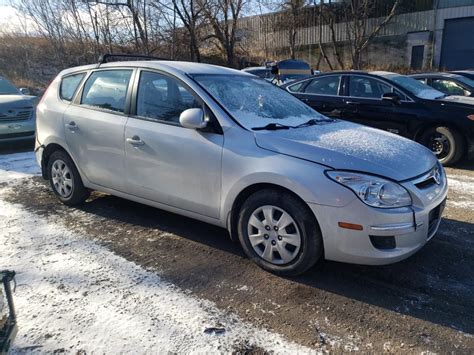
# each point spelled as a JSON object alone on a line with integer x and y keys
{"x": 231, "y": 149}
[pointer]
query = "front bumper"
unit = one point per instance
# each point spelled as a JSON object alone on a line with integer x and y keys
{"x": 388, "y": 235}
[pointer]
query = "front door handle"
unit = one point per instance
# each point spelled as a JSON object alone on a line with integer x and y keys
{"x": 135, "y": 141}
{"x": 72, "y": 126}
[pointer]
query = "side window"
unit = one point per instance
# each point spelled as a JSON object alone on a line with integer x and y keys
{"x": 423, "y": 80}
{"x": 69, "y": 85}
{"x": 107, "y": 89}
{"x": 365, "y": 87}
{"x": 449, "y": 87}
{"x": 297, "y": 87}
{"x": 325, "y": 85}
{"x": 163, "y": 98}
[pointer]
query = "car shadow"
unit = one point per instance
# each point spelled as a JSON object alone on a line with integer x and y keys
{"x": 434, "y": 285}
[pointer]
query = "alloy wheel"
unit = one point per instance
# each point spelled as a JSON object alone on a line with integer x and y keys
{"x": 62, "y": 178}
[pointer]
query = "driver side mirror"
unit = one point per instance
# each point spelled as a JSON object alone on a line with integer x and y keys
{"x": 192, "y": 118}
{"x": 392, "y": 97}
{"x": 24, "y": 91}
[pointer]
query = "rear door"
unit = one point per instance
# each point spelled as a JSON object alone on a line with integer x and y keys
{"x": 321, "y": 93}
{"x": 94, "y": 126}
{"x": 165, "y": 162}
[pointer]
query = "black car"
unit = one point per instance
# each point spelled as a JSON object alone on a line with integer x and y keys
{"x": 447, "y": 83}
{"x": 466, "y": 73}
{"x": 395, "y": 103}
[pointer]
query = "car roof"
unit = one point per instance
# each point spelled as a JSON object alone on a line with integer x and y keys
{"x": 175, "y": 67}
{"x": 433, "y": 75}
{"x": 255, "y": 68}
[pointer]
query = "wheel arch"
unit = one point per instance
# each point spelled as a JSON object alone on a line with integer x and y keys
{"x": 420, "y": 129}
{"x": 245, "y": 193}
{"x": 49, "y": 149}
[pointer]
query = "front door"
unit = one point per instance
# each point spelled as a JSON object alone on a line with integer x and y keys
{"x": 166, "y": 162}
{"x": 95, "y": 124}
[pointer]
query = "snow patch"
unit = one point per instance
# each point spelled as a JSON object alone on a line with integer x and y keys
{"x": 75, "y": 295}
{"x": 18, "y": 166}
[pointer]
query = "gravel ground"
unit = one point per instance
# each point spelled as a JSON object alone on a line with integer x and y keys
{"x": 421, "y": 304}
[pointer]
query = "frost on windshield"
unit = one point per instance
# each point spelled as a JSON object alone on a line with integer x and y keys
{"x": 255, "y": 103}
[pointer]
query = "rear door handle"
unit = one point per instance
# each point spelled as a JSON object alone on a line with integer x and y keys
{"x": 352, "y": 103}
{"x": 72, "y": 126}
{"x": 135, "y": 141}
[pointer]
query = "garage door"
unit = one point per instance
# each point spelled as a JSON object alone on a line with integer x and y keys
{"x": 458, "y": 46}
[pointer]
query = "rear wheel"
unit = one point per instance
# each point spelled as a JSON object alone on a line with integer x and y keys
{"x": 279, "y": 233}
{"x": 446, "y": 143}
{"x": 65, "y": 179}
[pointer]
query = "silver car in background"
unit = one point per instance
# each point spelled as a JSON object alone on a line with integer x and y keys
{"x": 17, "y": 114}
{"x": 231, "y": 149}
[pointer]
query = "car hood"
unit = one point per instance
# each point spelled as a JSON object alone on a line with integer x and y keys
{"x": 16, "y": 101}
{"x": 345, "y": 145}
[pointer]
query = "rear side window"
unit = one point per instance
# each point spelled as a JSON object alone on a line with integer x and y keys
{"x": 69, "y": 85}
{"x": 325, "y": 85}
{"x": 107, "y": 89}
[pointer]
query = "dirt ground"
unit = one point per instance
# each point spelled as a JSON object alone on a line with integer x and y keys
{"x": 422, "y": 304}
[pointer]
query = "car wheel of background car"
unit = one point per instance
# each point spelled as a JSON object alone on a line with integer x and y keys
{"x": 446, "y": 143}
{"x": 65, "y": 179}
{"x": 279, "y": 233}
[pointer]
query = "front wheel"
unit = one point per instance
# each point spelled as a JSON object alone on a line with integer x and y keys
{"x": 446, "y": 143}
{"x": 279, "y": 232}
{"x": 65, "y": 179}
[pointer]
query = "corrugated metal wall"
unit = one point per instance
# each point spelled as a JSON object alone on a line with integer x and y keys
{"x": 257, "y": 31}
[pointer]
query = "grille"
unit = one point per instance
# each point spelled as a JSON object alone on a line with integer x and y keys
{"x": 17, "y": 115}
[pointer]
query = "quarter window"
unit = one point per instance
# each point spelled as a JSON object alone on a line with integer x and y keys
{"x": 69, "y": 85}
{"x": 163, "y": 98}
{"x": 326, "y": 85}
{"x": 107, "y": 89}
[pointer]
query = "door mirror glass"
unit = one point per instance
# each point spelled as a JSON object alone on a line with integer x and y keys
{"x": 391, "y": 97}
{"x": 24, "y": 91}
{"x": 192, "y": 118}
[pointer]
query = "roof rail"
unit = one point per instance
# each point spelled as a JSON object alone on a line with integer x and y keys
{"x": 105, "y": 58}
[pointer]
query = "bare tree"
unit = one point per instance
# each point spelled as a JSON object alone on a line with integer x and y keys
{"x": 223, "y": 17}
{"x": 360, "y": 32}
{"x": 191, "y": 15}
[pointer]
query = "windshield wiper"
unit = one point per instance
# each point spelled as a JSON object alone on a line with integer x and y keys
{"x": 277, "y": 126}
{"x": 272, "y": 127}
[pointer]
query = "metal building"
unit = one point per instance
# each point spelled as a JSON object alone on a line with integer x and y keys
{"x": 433, "y": 33}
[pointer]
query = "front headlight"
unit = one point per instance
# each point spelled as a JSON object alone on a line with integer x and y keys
{"x": 372, "y": 190}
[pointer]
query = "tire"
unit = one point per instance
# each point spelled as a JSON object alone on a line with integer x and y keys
{"x": 294, "y": 259}
{"x": 65, "y": 180}
{"x": 446, "y": 143}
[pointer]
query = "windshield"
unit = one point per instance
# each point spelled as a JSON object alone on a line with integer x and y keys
{"x": 466, "y": 80}
{"x": 414, "y": 86}
{"x": 7, "y": 88}
{"x": 254, "y": 102}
